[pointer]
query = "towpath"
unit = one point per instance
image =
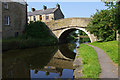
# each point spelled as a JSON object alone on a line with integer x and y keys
{"x": 108, "y": 68}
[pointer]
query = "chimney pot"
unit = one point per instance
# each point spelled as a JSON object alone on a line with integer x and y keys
{"x": 58, "y": 6}
{"x": 32, "y": 9}
{"x": 44, "y": 7}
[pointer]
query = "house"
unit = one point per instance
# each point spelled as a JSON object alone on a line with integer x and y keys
{"x": 13, "y": 18}
{"x": 0, "y": 20}
{"x": 45, "y": 14}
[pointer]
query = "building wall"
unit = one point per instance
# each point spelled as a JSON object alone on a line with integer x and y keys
{"x": 51, "y": 16}
{"x": 43, "y": 17}
{"x": 17, "y": 13}
{"x": 30, "y": 18}
{"x": 0, "y": 39}
{"x": 0, "y": 17}
{"x": 36, "y": 17}
{"x": 58, "y": 14}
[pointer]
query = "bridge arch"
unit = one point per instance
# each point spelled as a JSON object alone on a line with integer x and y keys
{"x": 76, "y": 28}
{"x": 58, "y": 27}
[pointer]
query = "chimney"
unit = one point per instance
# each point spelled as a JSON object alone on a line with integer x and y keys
{"x": 32, "y": 9}
{"x": 58, "y": 6}
{"x": 44, "y": 7}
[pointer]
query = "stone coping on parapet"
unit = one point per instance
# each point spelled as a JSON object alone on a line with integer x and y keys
{"x": 71, "y": 18}
{"x": 76, "y": 21}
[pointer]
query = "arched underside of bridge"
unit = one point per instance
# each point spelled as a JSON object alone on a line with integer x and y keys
{"x": 61, "y": 34}
{"x": 64, "y": 26}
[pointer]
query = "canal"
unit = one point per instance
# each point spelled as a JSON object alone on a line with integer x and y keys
{"x": 42, "y": 62}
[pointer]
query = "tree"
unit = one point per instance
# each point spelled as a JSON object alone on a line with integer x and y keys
{"x": 105, "y": 23}
{"x": 102, "y": 25}
{"x": 114, "y": 4}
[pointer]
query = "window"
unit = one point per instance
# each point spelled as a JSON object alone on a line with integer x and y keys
{"x": 5, "y": 5}
{"x": 34, "y": 18}
{"x": 47, "y": 17}
{"x": 40, "y": 17}
{"x": 6, "y": 20}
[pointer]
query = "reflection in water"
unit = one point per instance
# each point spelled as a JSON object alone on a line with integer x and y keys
{"x": 45, "y": 74}
{"x": 43, "y": 62}
{"x": 17, "y": 63}
{"x": 77, "y": 44}
{"x": 66, "y": 51}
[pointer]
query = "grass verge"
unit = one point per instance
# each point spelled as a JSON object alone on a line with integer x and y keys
{"x": 91, "y": 67}
{"x": 110, "y": 47}
{"x": 21, "y": 43}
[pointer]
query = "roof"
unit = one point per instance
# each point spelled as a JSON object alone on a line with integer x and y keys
{"x": 41, "y": 12}
{"x": 18, "y": 1}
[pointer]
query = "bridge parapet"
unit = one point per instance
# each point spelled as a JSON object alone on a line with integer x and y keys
{"x": 81, "y": 22}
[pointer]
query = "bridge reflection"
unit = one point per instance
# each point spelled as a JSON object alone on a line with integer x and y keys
{"x": 19, "y": 63}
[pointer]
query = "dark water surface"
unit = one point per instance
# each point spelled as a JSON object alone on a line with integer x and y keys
{"x": 42, "y": 62}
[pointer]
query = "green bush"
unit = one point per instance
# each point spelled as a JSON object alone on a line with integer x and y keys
{"x": 102, "y": 25}
{"x": 37, "y": 30}
{"x": 36, "y": 34}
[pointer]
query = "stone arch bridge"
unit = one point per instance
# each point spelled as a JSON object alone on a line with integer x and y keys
{"x": 63, "y": 27}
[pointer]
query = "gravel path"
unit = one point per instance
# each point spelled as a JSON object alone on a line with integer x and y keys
{"x": 108, "y": 68}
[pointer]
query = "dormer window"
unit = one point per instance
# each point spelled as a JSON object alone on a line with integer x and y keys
{"x": 5, "y": 5}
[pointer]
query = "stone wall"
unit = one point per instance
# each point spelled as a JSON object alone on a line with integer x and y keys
{"x": 17, "y": 14}
{"x": 0, "y": 16}
{"x": 0, "y": 39}
{"x": 61, "y": 23}
{"x": 58, "y": 27}
{"x": 51, "y": 17}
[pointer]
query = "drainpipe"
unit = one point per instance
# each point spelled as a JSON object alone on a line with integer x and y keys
{"x": 26, "y": 17}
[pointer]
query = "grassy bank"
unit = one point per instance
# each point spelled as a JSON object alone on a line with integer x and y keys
{"x": 111, "y": 48}
{"x": 91, "y": 66}
{"x": 16, "y": 43}
{"x": 36, "y": 34}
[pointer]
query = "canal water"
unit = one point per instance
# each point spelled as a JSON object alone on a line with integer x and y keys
{"x": 43, "y": 62}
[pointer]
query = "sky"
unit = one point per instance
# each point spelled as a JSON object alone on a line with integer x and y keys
{"x": 71, "y": 9}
